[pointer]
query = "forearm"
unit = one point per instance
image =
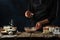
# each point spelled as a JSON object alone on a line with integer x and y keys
{"x": 44, "y": 21}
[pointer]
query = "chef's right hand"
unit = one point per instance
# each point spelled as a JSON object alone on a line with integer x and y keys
{"x": 28, "y": 14}
{"x": 38, "y": 25}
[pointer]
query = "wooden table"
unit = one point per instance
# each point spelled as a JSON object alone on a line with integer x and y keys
{"x": 29, "y": 36}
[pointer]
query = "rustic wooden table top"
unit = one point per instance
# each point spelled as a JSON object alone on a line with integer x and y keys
{"x": 35, "y": 34}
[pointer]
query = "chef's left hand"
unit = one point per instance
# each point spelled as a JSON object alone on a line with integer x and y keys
{"x": 28, "y": 14}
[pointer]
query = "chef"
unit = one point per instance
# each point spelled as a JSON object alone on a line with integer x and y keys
{"x": 43, "y": 12}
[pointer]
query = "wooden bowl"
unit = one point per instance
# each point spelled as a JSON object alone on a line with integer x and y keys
{"x": 32, "y": 29}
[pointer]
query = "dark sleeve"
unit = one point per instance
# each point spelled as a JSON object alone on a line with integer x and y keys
{"x": 42, "y": 9}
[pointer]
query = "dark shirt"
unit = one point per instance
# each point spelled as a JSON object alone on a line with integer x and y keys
{"x": 44, "y": 9}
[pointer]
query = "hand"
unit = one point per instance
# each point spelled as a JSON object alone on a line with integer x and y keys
{"x": 28, "y": 14}
{"x": 38, "y": 25}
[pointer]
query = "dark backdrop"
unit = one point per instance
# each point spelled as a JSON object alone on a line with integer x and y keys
{"x": 14, "y": 9}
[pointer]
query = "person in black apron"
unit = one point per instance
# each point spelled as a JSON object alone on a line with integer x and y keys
{"x": 44, "y": 12}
